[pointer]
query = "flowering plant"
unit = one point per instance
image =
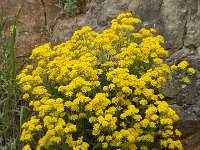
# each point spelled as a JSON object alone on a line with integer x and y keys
{"x": 101, "y": 91}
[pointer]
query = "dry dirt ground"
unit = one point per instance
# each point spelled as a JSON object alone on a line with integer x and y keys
{"x": 35, "y": 21}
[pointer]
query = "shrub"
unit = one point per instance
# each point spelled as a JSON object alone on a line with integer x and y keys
{"x": 70, "y": 7}
{"x": 101, "y": 91}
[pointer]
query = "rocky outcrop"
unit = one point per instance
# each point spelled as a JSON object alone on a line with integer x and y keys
{"x": 192, "y": 38}
{"x": 179, "y": 22}
{"x": 157, "y": 14}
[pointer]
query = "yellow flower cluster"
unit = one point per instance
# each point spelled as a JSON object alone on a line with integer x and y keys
{"x": 100, "y": 90}
{"x": 12, "y": 28}
{"x": 183, "y": 71}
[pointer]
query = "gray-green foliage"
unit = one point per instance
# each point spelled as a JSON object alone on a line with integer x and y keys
{"x": 71, "y": 7}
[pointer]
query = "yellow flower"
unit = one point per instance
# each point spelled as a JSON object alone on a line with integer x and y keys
{"x": 144, "y": 123}
{"x": 173, "y": 67}
{"x": 131, "y": 138}
{"x": 101, "y": 138}
{"x": 183, "y": 65}
{"x": 12, "y": 28}
{"x": 143, "y": 147}
{"x": 152, "y": 30}
{"x": 26, "y": 147}
{"x": 191, "y": 71}
{"x": 178, "y": 133}
{"x": 39, "y": 90}
{"x": 185, "y": 80}
{"x": 123, "y": 124}
{"x": 166, "y": 121}
{"x": 143, "y": 102}
{"x": 158, "y": 61}
{"x": 108, "y": 138}
{"x": 26, "y": 96}
{"x": 107, "y": 83}
{"x": 104, "y": 144}
{"x": 152, "y": 124}
{"x": 111, "y": 86}
{"x": 105, "y": 88}
{"x": 27, "y": 87}
{"x": 154, "y": 117}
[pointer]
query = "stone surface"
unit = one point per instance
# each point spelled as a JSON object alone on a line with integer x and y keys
{"x": 192, "y": 38}
{"x": 173, "y": 16}
{"x": 191, "y": 134}
{"x": 156, "y": 14}
{"x": 187, "y": 97}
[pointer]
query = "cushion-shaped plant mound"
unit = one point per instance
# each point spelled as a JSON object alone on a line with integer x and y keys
{"x": 99, "y": 91}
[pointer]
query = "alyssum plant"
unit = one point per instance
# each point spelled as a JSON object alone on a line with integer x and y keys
{"x": 101, "y": 91}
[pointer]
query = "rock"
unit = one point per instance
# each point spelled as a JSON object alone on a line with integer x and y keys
{"x": 192, "y": 38}
{"x": 190, "y": 134}
{"x": 156, "y": 14}
{"x": 192, "y": 6}
{"x": 173, "y": 16}
{"x": 184, "y": 112}
{"x": 98, "y": 17}
{"x": 185, "y": 99}
{"x": 64, "y": 28}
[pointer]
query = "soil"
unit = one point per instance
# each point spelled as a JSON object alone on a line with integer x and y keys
{"x": 34, "y": 28}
